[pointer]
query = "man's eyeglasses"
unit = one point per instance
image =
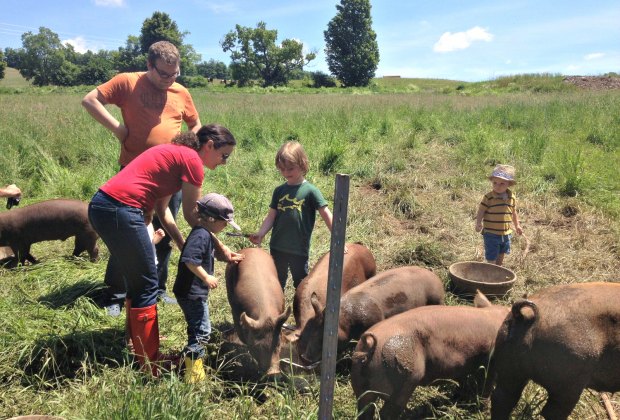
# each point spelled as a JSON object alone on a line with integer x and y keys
{"x": 165, "y": 75}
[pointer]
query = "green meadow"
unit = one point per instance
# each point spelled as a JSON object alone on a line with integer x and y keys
{"x": 418, "y": 153}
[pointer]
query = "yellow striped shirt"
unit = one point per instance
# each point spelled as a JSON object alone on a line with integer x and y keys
{"x": 497, "y": 217}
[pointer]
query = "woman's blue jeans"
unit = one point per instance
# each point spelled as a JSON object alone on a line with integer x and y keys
{"x": 122, "y": 229}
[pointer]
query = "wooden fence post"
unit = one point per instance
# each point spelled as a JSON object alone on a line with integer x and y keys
{"x": 332, "y": 308}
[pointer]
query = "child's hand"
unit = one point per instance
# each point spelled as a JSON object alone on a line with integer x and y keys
{"x": 256, "y": 239}
{"x": 519, "y": 230}
{"x": 235, "y": 257}
{"x": 478, "y": 226}
{"x": 211, "y": 282}
{"x": 158, "y": 235}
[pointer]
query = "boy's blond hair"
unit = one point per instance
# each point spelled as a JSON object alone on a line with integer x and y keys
{"x": 293, "y": 152}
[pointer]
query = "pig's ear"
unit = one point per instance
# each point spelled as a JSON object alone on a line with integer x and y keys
{"x": 318, "y": 308}
{"x": 247, "y": 322}
{"x": 480, "y": 300}
{"x": 283, "y": 317}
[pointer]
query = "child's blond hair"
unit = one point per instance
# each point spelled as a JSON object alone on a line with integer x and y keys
{"x": 293, "y": 152}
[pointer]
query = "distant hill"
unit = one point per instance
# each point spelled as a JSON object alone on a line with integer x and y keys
{"x": 13, "y": 79}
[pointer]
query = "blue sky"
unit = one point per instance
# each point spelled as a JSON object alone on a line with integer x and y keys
{"x": 448, "y": 39}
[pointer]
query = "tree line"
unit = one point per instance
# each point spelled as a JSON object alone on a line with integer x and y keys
{"x": 256, "y": 58}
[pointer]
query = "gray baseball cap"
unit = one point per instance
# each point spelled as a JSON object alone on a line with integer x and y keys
{"x": 216, "y": 205}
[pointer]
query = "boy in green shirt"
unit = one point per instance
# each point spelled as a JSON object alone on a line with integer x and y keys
{"x": 292, "y": 215}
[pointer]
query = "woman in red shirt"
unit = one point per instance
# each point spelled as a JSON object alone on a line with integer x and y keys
{"x": 123, "y": 207}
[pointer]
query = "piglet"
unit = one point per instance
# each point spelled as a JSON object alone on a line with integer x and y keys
{"x": 565, "y": 338}
{"x": 381, "y": 296}
{"x": 418, "y": 347}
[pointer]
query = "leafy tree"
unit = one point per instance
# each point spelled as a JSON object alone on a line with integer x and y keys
{"x": 95, "y": 68}
{"x": 160, "y": 28}
{"x": 351, "y": 44}
{"x": 2, "y": 65}
{"x": 255, "y": 55}
{"x": 189, "y": 60}
{"x": 43, "y": 58}
{"x": 71, "y": 55}
{"x": 243, "y": 74}
{"x": 66, "y": 74}
{"x": 130, "y": 57}
{"x": 13, "y": 57}
{"x": 320, "y": 79}
{"x": 214, "y": 69}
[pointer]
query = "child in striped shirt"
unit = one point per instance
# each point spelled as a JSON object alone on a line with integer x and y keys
{"x": 496, "y": 213}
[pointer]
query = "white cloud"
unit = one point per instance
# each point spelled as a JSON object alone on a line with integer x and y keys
{"x": 218, "y": 8}
{"x": 79, "y": 44}
{"x": 594, "y": 56}
{"x": 461, "y": 40}
{"x": 110, "y": 3}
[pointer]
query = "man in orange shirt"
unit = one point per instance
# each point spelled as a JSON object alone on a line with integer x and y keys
{"x": 154, "y": 108}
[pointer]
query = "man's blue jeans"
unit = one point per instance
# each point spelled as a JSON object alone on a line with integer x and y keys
{"x": 163, "y": 248}
{"x": 122, "y": 229}
{"x": 196, "y": 313}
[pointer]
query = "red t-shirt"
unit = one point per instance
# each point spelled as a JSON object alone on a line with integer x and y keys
{"x": 155, "y": 173}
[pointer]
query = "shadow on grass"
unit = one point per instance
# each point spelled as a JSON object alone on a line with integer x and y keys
{"x": 447, "y": 399}
{"x": 66, "y": 296}
{"x": 54, "y": 358}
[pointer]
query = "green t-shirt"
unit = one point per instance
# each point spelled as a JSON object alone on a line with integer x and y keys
{"x": 296, "y": 207}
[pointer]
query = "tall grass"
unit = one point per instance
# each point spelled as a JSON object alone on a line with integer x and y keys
{"x": 418, "y": 163}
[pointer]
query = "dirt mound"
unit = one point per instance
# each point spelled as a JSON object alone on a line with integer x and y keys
{"x": 594, "y": 82}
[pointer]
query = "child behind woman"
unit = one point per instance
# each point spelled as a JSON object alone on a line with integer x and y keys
{"x": 292, "y": 215}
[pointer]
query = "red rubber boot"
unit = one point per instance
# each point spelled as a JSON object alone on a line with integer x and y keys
{"x": 144, "y": 332}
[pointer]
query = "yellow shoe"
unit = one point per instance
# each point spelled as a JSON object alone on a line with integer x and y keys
{"x": 194, "y": 371}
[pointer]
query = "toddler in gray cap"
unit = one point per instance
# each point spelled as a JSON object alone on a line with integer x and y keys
{"x": 195, "y": 278}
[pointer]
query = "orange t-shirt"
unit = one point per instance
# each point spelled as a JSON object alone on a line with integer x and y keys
{"x": 152, "y": 116}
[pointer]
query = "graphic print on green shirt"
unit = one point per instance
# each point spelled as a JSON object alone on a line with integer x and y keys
{"x": 296, "y": 207}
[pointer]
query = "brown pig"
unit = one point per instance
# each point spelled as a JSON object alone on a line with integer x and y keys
{"x": 418, "y": 347}
{"x": 382, "y": 296}
{"x": 564, "y": 338}
{"x": 47, "y": 221}
{"x": 257, "y": 303}
{"x": 358, "y": 266}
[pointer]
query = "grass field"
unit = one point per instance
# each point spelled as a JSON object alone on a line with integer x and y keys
{"x": 417, "y": 153}
{"x": 12, "y": 79}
